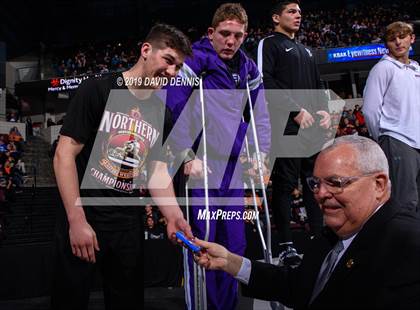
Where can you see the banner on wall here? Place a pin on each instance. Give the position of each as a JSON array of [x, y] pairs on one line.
[[66, 84], [357, 53]]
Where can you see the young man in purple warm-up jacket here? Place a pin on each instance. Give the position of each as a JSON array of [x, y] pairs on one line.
[[225, 71]]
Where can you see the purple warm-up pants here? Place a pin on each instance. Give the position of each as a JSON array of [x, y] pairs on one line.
[[222, 289]]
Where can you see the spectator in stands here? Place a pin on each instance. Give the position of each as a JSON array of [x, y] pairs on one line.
[[13, 151], [3, 144], [149, 212], [350, 116], [359, 115], [29, 127], [8, 165], [298, 208], [361, 129], [345, 113], [153, 231], [13, 117], [13, 173], [346, 127], [16, 138], [391, 110], [20, 165]]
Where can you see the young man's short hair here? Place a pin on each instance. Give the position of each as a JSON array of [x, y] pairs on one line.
[[397, 29], [162, 36], [279, 7], [230, 11]]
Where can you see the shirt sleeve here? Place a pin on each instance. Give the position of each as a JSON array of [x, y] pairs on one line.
[[268, 56], [373, 98], [245, 271], [321, 95], [83, 115], [266, 61]]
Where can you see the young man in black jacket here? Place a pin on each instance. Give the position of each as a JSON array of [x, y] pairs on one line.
[[289, 68]]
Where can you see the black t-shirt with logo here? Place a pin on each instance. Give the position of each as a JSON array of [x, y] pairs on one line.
[[121, 135], [233, 65]]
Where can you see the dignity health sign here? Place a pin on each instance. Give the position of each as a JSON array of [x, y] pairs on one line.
[[356, 53]]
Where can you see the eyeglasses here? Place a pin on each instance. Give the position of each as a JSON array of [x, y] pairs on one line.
[[335, 185]]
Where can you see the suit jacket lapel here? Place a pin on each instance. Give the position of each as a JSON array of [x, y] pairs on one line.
[[313, 259]]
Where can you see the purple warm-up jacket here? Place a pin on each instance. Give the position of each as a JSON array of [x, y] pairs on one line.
[[224, 102]]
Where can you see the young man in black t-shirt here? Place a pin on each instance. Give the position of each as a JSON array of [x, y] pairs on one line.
[[114, 129]]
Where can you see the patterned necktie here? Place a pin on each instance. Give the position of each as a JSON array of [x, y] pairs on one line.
[[326, 269]]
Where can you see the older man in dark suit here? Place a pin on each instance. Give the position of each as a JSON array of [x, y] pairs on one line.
[[369, 254]]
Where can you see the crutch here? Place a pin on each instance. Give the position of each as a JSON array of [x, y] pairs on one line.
[[200, 287], [254, 199], [201, 303], [267, 249], [198, 272], [205, 166], [186, 255]]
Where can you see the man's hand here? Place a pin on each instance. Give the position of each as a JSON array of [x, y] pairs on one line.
[[304, 119], [252, 170], [195, 169], [213, 256], [178, 224], [166, 201], [325, 121], [216, 257], [83, 241], [250, 166]]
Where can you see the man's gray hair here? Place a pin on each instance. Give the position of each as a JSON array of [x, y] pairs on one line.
[[370, 157]]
